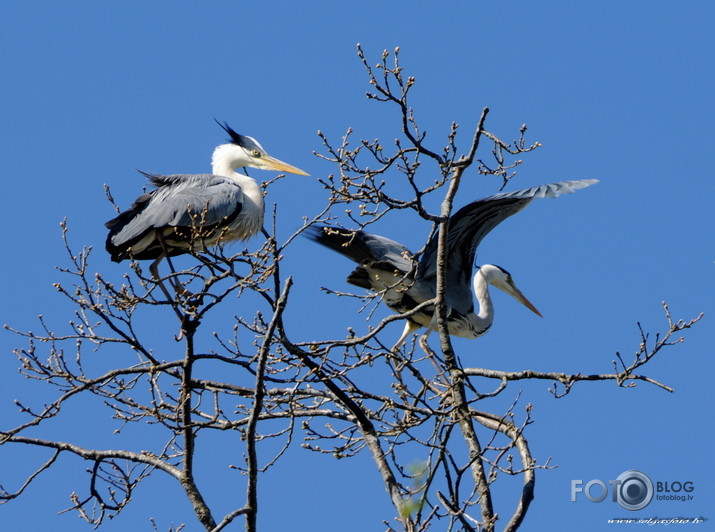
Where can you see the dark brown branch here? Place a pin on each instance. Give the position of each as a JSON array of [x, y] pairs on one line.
[[5, 496], [187, 479], [259, 394], [623, 378], [329, 392], [456, 384]]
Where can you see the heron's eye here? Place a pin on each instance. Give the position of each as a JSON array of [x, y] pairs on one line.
[[256, 153]]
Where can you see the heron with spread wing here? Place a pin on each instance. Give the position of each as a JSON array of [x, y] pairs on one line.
[[186, 213], [405, 282]]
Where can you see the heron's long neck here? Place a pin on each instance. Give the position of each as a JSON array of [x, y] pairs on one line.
[[248, 185], [481, 292]]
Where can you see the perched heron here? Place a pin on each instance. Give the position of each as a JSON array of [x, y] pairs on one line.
[[186, 213], [389, 267]]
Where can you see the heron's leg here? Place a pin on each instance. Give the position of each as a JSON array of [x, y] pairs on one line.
[[154, 269], [186, 319], [432, 327], [428, 351], [178, 289], [423, 340], [410, 327], [439, 376]]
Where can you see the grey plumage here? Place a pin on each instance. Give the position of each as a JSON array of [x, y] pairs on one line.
[[189, 212], [386, 265], [469, 225], [183, 208]]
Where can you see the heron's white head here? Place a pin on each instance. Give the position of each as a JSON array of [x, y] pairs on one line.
[[501, 279], [243, 151]]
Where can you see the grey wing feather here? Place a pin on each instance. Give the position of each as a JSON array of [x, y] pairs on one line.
[[366, 249], [385, 250], [470, 224], [177, 202], [360, 246]]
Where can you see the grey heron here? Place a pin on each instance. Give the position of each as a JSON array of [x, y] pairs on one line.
[[186, 213], [389, 267]]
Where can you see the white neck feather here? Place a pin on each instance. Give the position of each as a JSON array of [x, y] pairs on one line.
[[226, 159], [225, 163], [485, 316]]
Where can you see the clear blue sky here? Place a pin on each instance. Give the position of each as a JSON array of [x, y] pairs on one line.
[[618, 91]]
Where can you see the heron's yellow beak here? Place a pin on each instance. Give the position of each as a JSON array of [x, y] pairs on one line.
[[274, 164], [516, 294]]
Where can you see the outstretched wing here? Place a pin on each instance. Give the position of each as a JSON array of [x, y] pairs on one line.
[[365, 249], [470, 224], [182, 201]]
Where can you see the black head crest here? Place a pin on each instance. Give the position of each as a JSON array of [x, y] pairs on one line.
[[236, 138]]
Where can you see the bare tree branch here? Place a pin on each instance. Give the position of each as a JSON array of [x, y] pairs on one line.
[[266, 380]]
